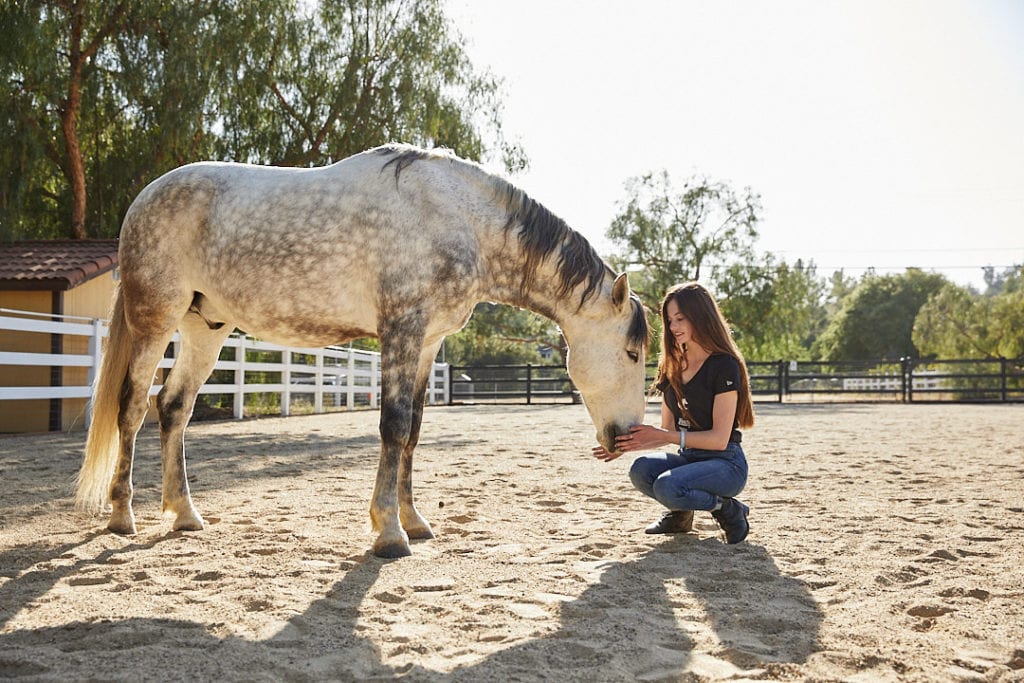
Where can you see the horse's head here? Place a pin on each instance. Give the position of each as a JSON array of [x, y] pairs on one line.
[[607, 345]]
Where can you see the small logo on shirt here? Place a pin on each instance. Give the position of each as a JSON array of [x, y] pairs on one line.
[[728, 382]]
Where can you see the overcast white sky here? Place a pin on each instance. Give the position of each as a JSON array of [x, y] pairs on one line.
[[881, 133]]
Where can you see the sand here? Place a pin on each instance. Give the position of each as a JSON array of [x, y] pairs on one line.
[[886, 545]]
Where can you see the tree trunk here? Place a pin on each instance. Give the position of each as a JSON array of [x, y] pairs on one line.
[[74, 166]]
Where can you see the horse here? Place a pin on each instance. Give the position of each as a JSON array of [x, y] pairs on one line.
[[398, 243]]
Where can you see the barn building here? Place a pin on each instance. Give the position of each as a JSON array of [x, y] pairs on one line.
[[72, 278]]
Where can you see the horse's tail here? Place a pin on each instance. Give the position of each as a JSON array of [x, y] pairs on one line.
[[102, 444]]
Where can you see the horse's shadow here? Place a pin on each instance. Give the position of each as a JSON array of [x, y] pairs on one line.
[[742, 614]]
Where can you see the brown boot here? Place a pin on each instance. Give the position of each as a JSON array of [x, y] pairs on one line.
[[672, 522]]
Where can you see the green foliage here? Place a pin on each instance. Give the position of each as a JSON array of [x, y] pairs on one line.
[[707, 231], [877, 318], [274, 82], [957, 322], [502, 334], [776, 310], [1009, 281], [669, 235]]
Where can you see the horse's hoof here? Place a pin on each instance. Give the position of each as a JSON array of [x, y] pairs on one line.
[[122, 527], [420, 533], [392, 551], [190, 521]]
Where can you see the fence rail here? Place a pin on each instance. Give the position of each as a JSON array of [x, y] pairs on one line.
[[906, 380], [343, 378], [325, 377]]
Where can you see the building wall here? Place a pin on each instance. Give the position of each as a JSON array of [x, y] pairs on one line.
[[25, 416], [91, 299]]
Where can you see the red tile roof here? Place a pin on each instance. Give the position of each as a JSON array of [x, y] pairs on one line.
[[54, 265]]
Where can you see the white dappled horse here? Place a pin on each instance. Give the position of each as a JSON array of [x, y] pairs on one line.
[[397, 243]]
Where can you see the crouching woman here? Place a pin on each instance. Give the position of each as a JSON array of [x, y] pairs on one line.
[[706, 401]]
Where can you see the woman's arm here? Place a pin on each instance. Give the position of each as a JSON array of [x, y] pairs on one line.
[[646, 437], [652, 437]]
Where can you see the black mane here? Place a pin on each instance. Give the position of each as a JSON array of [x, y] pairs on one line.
[[540, 234]]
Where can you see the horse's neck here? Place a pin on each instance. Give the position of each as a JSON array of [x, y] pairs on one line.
[[541, 295]]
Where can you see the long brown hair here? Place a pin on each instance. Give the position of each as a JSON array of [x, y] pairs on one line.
[[711, 331]]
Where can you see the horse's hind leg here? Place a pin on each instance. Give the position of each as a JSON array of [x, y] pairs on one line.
[[200, 346], [146, 354], [412, 521]]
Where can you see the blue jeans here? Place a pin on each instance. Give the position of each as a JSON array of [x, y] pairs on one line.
[[692, 479]]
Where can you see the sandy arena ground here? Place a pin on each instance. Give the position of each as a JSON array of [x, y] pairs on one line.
[[886, 545]]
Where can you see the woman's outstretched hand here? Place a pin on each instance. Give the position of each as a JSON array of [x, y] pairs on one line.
[[640, 438]]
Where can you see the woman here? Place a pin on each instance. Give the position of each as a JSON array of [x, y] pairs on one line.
[[701, 364]]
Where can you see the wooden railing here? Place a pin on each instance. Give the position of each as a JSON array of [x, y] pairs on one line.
[[337, 377]]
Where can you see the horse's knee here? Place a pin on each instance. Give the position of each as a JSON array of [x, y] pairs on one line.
[[396, 424], [171, 410]]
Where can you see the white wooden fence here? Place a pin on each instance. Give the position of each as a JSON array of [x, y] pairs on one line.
[[344, 378]]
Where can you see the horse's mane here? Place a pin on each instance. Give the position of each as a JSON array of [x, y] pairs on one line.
[[540, 233]]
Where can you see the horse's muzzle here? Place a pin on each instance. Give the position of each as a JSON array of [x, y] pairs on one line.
[[607, 439]]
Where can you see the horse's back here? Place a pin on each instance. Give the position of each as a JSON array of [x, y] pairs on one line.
[[277, 250]]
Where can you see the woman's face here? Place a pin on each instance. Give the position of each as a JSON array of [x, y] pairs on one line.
[[678, 324]]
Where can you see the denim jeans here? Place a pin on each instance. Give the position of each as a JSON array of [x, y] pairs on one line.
[[692, 479]]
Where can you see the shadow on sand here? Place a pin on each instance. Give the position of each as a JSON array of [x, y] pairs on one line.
[[654, 634]]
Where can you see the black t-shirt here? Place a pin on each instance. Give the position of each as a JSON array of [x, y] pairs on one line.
[[719, 374]]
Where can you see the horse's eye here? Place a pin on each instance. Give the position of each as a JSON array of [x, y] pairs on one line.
[[633, 356]]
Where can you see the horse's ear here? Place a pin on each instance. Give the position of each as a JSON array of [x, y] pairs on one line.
[[620, 290]]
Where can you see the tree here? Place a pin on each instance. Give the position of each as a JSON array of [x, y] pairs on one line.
[[105, 95], [776, 310], [957, 322], [1010, 280], [503, 334], [62, 38], [677, 235], [876, 319]]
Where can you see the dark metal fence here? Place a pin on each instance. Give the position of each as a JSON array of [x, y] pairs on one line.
[[510, 383], [907, 380]]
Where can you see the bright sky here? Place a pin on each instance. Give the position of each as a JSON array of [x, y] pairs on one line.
[[883, 133]]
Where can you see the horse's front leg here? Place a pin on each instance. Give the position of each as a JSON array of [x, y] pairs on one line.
[[412, 521], [398, 383], [395, 422]]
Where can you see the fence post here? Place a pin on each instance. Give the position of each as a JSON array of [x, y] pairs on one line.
[[786, 367], [286, 379], [529, 381], [239, 407], [907, 379], [431, 384], [375, 382], [96, 351], [779, 373], [451, 385], [1002, 383], [318, 383]]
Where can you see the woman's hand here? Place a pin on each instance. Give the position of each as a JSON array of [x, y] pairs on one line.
[[640, 438], [602, 453], [643, 438]]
